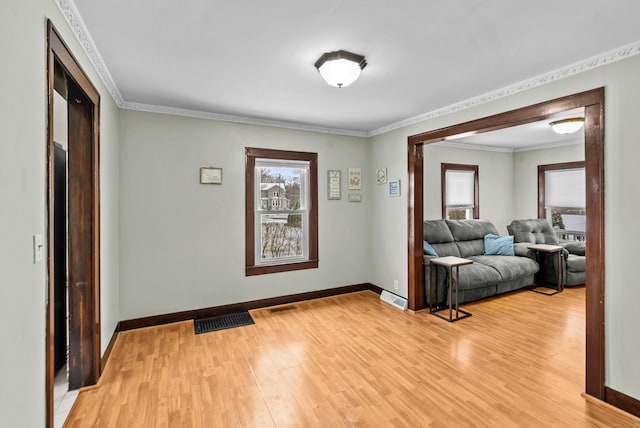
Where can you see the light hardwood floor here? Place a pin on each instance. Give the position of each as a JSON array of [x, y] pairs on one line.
[[352, 360]]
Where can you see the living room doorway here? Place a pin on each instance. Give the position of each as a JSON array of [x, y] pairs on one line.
[[73, 254], [593, 103]]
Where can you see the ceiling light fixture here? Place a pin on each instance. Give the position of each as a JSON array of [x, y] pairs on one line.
[[340, 68], [567, 126]]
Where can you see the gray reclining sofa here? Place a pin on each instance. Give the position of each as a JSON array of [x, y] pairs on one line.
[[488, 275], [539, 231]]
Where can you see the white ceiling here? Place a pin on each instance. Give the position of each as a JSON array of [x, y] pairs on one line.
[[530, 136], [254, 58]]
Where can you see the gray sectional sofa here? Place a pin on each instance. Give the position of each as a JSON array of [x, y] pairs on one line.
[[488, 275], [539, 231]]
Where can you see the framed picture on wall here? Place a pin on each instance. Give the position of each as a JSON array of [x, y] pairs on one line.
[[355, 178], [334, 178], [394, 188], [210, 175], [381, 175]]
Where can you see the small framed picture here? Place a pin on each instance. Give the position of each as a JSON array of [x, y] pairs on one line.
[[394, 188], [334, 183], [355, 197], [355, 178], [381, 175], [210, 175]]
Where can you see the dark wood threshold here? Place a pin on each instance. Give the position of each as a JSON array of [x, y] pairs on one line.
[[622, 401], [107, 352], [240, 307]]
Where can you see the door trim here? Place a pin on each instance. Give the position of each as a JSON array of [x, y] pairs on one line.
[[593, 103], [58, 52]]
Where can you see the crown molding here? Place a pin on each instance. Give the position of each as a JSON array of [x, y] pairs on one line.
[[73, 18], [75, 21], [240, 119], [609, 57]]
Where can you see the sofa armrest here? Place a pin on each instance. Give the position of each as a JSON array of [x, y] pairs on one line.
[[575, 247], [522, 249]]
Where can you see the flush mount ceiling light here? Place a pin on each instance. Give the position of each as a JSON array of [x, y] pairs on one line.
[[340, 68], [567, 126]]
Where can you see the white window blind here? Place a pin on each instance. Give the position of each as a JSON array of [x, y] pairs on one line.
[[565, 188], [460, 189]]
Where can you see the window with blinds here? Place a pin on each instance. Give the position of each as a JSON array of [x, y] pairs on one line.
[[459, 191], [562, 198], [565, 188]]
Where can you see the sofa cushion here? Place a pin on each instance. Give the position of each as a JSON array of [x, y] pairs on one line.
[[467, 230], [576, 263], [575, 247], [495, 245], [436, 232], [535, 230], [477, 275], [508, 267], [446, 249], [474, 247]]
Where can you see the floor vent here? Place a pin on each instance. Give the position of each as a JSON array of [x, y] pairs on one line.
[[393, 300], [222, 322]]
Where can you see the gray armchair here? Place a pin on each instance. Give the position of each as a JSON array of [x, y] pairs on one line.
[[539, 231]]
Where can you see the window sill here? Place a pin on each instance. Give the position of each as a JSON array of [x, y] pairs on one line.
[[285, 267]]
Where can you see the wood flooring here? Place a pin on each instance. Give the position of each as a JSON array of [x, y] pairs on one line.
[[354, 361]]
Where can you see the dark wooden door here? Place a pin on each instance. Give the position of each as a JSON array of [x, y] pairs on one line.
[[60, 255], [82, 364]]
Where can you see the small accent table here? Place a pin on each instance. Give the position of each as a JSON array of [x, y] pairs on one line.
[[557, 249], [449, 263]]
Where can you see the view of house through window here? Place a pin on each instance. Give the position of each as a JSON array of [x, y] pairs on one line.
[[282, 209], [459, 191]]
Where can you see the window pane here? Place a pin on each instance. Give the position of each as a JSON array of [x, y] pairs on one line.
[[460, 188], [281, 236], [459, 214], [281, 186]]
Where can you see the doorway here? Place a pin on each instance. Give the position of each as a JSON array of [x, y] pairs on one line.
[[73, 225], [593, 103]]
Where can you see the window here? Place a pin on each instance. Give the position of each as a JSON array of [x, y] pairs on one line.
[[561, 197], [281, 215], [460, 200]]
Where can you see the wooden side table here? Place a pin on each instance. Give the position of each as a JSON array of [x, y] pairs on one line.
[[449, 263], [553, 249]]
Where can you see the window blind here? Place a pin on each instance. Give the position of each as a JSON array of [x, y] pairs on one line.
[[565, 188], [460, 189]]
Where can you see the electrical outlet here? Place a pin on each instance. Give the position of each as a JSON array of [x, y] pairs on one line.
[[395, 284]]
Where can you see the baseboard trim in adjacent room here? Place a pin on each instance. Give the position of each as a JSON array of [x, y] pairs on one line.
[[154, 320], [622, 401]]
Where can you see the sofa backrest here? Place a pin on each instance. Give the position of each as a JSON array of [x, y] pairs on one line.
[[535, 230], [437, 233], [469, 235]]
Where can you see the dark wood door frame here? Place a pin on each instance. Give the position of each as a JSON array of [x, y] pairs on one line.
[[83, 101], [593, 103]]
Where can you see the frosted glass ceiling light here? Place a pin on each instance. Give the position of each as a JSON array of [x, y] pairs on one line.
[[567, 126], [340, 68]]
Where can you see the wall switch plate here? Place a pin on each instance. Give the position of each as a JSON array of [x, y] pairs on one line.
[[38, 248], [395, 284]]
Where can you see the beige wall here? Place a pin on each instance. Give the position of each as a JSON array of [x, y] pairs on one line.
[[525, 175], [622, 149], [182, 243], [23, 211], [495, 173]]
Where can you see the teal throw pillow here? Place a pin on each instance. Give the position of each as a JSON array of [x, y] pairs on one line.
[[428, 249], [495, 245]]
